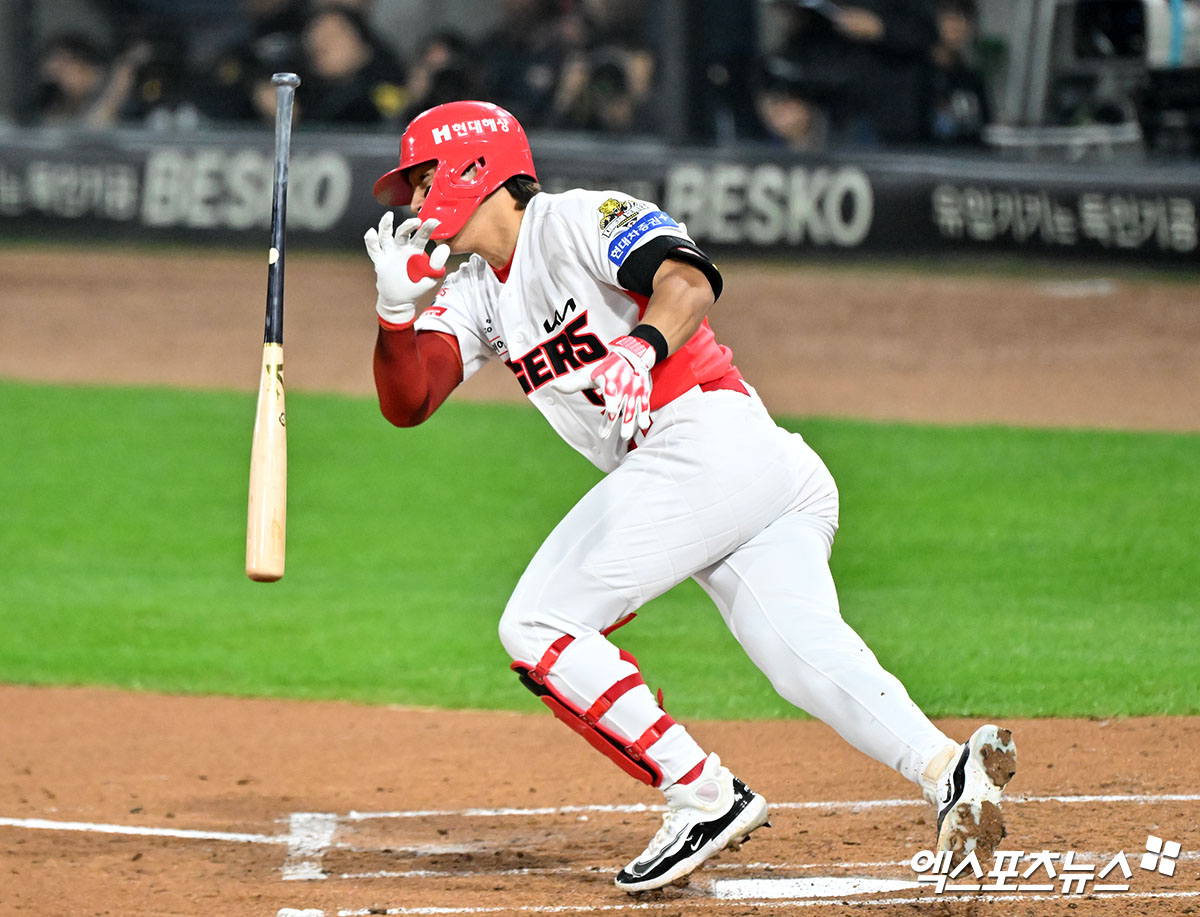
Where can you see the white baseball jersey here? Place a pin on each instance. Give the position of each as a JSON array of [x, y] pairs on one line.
[[566, 295], [715, 490]]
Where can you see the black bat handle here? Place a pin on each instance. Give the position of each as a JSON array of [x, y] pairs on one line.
[[285, 94]]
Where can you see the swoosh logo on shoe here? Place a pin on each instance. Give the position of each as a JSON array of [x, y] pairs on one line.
[[701, 834], [640, 869], [955, 786]]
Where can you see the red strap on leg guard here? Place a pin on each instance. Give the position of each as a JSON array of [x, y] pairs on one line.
[[629, 757], [651, 735], [538, 673], [621, 622], [605, 742], [611, 696]]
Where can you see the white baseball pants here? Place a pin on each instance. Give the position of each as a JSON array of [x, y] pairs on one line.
[[718, 492]]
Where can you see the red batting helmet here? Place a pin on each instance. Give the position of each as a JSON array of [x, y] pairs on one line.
[[457, 136]]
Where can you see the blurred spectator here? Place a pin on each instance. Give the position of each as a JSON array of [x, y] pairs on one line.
[[958, 108], [620, 29], [888, 44], [350, 76], [792, 104], [880, 49], [72, 73], [597, 93], [606, 80], [155, 80], [444, 72], [808, 60], [260, 91], [267, 41], [77, 84], [203, 25], [722, 37], [522, 59]]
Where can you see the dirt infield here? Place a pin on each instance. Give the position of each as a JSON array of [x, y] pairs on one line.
[[1077, 350], [249, 807], [134, 804]]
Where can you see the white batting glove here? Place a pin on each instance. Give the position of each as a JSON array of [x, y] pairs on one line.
[[623, 380], [403, 271]]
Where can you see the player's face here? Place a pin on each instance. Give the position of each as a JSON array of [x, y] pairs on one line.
[[420, 177]]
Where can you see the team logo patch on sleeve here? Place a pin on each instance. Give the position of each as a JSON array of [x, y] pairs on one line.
[[622, 245], [615, 214]]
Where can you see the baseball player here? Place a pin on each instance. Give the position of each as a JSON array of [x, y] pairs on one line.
[[597, 302]]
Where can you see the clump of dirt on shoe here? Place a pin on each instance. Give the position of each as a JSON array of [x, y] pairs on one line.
[[1000, 764]]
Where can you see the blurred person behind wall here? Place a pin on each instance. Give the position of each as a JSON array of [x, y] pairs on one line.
[[522, 59], [889, 43], [623, 32], [607, 80], [150, 82], [78, 84], [199, 27], [265, 37], [804, 64], [957, 103], [881, 48], [445, 70], [793, 105], [722, 38], [350, 75], [602, 98], [72, 72]]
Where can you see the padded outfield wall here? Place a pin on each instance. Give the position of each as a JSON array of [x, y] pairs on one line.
[[215, 188]]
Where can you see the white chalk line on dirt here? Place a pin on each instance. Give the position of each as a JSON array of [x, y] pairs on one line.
[[605, 869], [311, 838], [1079, 289], [853, 805], [310, 835], [1081, 856], [235, 837], [312, 832], [714, 903]]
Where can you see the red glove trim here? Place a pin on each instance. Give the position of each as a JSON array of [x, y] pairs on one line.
[[419, 267], [638, 346], [392, 326]]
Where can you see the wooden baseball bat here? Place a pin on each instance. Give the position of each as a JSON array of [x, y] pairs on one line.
[[266, 518]]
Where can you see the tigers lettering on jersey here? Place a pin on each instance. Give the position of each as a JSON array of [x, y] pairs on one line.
[[571, 349]]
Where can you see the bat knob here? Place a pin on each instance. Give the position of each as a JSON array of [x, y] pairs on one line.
[[286, 79]]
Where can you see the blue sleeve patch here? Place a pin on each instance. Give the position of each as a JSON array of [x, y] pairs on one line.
[[622, 245]]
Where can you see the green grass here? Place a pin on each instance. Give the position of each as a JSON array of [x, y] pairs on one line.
[[1064, 561]]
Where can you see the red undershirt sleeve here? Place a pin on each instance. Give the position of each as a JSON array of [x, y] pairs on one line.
[[414, 372]]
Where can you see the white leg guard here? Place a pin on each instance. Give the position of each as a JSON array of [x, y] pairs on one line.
[[597, 690]]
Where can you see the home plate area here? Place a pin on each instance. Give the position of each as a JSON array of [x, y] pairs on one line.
[[138, 805], [817, 855]]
